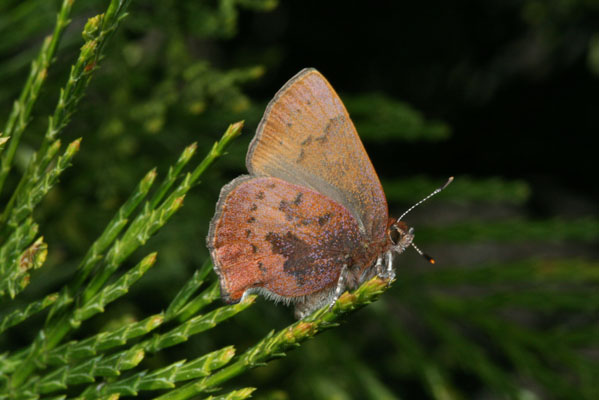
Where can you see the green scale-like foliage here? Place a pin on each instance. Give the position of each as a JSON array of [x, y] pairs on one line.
[[105, 304]]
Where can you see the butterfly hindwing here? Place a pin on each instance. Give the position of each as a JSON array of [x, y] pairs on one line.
[[280, 237]]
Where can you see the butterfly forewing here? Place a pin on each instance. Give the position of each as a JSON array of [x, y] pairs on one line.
[[306, 137]]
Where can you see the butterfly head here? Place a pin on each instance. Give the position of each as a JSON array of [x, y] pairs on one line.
[[400, 236]]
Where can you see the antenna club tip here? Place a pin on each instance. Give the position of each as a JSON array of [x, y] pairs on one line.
[[429, 259], [449, 180]]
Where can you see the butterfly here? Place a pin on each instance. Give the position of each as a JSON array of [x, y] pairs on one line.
[[311, 218]]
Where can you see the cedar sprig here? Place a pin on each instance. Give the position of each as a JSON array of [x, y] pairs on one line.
[[19, 239], [20, 314], [31, 259], [89, 306], [22, 107], [239, 394], [275, 344], [96, 32], [163, 378], [151, 218]]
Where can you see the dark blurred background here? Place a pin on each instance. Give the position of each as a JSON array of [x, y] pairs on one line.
[[516, 81], [500, 94]]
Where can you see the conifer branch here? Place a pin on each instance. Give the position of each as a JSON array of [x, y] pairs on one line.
[[111, 292], [15, 244], [19, 315], [151, 219], [173, 174], [181, 300], [87, 371], [32, 258], [196, 325], [164, 378], [103, 341], [96, 32], [274, 344], [96, 250], [35, 190], [239, 394], [21, 112]]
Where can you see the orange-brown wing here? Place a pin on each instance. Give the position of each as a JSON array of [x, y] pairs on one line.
[[285, 238], [306, 137]]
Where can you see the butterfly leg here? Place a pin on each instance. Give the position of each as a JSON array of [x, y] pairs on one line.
[[325, 297], [390, 273], [379, 267], [384, 266], [341, 284], [246, 294]]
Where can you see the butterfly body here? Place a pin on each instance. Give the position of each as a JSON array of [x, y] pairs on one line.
[[311, 218]]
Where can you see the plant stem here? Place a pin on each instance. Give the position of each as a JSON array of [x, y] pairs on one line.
[[274, 344], [96, 33], [19, 116]]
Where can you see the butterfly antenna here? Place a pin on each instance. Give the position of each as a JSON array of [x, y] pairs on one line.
[[439, 189], [428, 258]]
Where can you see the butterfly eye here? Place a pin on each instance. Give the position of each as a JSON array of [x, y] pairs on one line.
[[395, 234]]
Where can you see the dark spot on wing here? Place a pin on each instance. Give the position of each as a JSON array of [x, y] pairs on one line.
[[285, 208], [248, 233], [291, 209], [323, 219], [295, 251], [254, 248], [322, 139], [307, 141], [260, 196], [254, 207], [310, 263], [261, 267], [251, 220], [334, 125]]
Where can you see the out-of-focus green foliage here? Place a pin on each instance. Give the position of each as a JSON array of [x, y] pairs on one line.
[[381, 118], [508, 311]]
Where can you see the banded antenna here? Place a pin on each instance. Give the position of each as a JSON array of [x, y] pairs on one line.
[[436, 191]]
